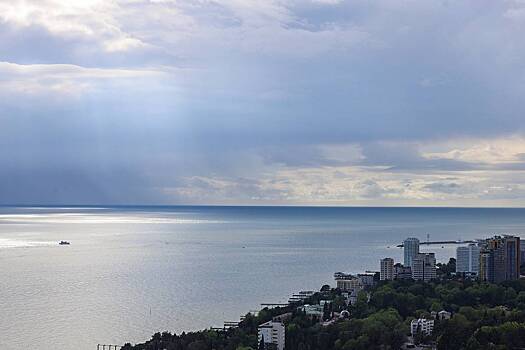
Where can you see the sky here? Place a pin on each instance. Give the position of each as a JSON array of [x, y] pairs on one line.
[[274, 102]]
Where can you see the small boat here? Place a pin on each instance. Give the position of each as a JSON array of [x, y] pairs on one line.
[[64, 243]]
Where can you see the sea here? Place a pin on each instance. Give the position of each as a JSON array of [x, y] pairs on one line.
[[132, 271]]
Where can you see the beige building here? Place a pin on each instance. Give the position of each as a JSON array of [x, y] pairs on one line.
[[386, 272], [347, 282], [424, 267]]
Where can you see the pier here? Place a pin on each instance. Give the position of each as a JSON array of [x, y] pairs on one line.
[[294, 299], [441, 242]]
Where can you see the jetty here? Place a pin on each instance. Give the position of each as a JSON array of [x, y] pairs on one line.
[[441, 242]]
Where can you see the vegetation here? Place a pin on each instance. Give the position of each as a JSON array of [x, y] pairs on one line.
[[484, 316]]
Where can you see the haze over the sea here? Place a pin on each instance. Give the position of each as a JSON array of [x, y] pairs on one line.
[[132, 271], [317, 102]]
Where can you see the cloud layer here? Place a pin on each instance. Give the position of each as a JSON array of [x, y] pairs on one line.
[[273, 102]]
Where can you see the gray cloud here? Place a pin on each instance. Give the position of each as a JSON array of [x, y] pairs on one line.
[[444, 187], [170, 95]]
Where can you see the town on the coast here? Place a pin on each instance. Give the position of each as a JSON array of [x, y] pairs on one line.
[[494, 260], [414, 304]]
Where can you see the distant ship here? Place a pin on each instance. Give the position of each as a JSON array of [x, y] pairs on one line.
[[64, 243]]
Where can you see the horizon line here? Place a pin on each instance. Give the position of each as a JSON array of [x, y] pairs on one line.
[[260, 206]]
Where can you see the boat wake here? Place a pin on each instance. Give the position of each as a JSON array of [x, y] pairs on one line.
[[18, 243]]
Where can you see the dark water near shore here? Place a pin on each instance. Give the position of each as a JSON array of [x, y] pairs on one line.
[[132, 271]]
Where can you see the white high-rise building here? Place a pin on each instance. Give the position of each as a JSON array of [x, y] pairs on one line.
[[467, 259], [411, 249], [421, 325], [387, 269], [424, 267], [272, 332]]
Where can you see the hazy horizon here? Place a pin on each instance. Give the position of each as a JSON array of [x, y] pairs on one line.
[[109, 205]]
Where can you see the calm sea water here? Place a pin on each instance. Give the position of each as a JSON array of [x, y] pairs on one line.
[[132, 271]]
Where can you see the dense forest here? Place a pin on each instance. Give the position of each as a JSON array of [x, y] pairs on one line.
[[484, 316]]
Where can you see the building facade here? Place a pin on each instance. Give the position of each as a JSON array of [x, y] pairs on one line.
[[402, 272], [444, 315], [347, 282], [272, 333], [410, 250], [366, 279], [512, 257], [486, 265], [500, 259], [386, 271], [522, 251], [467, 259], [424, 267], [422, 325], [313, 310], [498, 252]]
